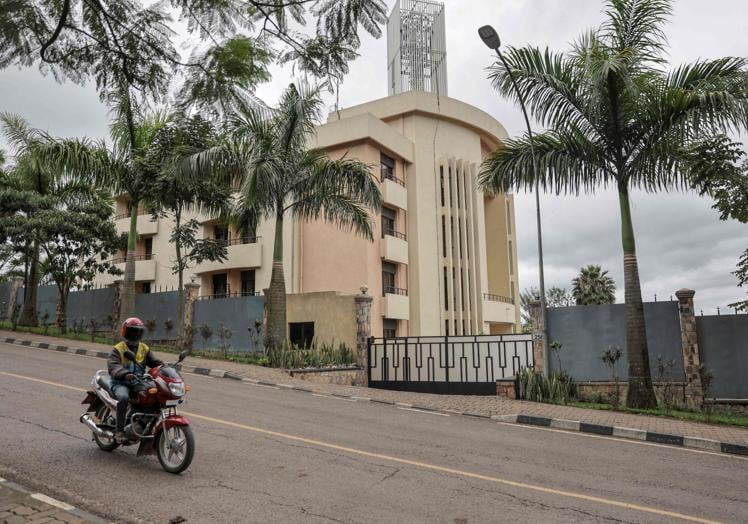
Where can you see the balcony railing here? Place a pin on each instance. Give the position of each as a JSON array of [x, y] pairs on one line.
[[497, 298], [390, 290], [393, 233], [230, 295], [235, 241], [122, 260], [127, 215], [388, 174]]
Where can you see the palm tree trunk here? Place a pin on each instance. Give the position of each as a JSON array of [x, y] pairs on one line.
[[277, 293], [62, 302], [127, 306], [181, 336], [641, 392], [28, 313]]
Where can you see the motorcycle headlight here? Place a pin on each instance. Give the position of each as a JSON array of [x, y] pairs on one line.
[[177, 389]]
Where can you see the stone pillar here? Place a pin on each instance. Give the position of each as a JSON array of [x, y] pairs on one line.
[[538, 349], [191, 292], [689, 341], [118, 286], [16, 283], [363, 332]]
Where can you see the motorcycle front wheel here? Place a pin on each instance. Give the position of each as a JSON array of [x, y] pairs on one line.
[[105, 416], [175, 449]]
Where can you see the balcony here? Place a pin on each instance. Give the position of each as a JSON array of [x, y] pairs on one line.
[[394, 247], [242, 253], [146, 226], [498, 309], [395, 303], [145, 267], [394, 192]]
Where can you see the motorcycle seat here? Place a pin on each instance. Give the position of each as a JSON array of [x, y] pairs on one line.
[[105, 381]]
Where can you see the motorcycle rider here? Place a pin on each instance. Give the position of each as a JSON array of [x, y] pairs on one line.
[[123, 370]]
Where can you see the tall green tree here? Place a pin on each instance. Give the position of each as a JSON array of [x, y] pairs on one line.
[[122, 168], [720, 170], [279, 177], [616, 117], [176, 192], [593, 286]]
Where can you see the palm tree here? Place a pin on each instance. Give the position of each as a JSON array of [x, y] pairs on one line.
[[279, 177], [593, 286], [615, 116], [31, 174], [121, 168]]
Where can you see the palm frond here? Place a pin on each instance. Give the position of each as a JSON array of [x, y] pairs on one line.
[[634, 28]]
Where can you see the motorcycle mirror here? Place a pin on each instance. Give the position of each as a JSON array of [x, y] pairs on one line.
[[129, 355], [183, 355]]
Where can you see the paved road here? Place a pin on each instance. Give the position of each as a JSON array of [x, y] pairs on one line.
[[271, 455]]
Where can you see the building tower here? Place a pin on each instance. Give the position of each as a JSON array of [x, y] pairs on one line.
[[417, 48]]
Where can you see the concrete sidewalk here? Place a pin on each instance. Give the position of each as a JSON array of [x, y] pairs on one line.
[[661, 429], [20, 506]]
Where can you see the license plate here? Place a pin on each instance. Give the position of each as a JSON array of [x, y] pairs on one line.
[[172, 402]]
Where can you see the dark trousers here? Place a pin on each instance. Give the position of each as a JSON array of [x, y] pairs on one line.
[[122, 394]]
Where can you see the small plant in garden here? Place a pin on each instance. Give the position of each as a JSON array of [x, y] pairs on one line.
[[45, 321], [556, 348], [533, 385], [707, 377], [663, 370], [205, 333], [92, 325], [224, 338], [289, 356], [150, 325], [256, 337], [189, 336], [610, 357], [168, 325]]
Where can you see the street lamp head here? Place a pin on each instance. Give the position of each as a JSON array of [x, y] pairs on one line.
[[490, 37]]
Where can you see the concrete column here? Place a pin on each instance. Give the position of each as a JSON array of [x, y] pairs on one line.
[[118, 286], [16, 283], [363, 332], [689, 341], [538, 349], [191, 292]]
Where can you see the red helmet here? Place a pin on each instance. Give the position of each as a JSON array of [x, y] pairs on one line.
[[132, 330]]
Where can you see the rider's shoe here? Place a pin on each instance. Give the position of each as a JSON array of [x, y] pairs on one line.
[[120, 437]]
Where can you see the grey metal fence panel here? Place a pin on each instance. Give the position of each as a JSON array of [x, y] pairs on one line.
[[723, 348], [236, 313], [4, 298], [46, 303], [94, 304], [155, 309], [586, 331]]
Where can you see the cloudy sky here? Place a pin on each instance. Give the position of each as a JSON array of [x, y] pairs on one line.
[[680, 240]]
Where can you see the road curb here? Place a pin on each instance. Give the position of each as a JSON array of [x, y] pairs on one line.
[[579, 426]]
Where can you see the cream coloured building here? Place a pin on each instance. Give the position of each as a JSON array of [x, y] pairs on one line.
[[443, 260]]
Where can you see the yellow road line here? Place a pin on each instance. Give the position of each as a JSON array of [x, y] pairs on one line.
[[418, 464]]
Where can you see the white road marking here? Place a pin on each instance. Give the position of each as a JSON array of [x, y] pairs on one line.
[[52, 502]]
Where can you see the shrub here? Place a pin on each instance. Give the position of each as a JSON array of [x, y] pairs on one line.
[[559, 388], [224, 337], [205, 333], [289, 356], [610, 357], [663, 369]]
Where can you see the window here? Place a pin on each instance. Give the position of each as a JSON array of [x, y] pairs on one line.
[[464, 331], [456, 333], [452, 233], [508, 218], [148, 248], [462, 287], [248, 282], [441, 177], [146, 287], [220, 284], [454, 287], [459, 231], [388, 278], [446, 327], [221, 232], [388, 221], [390, 328], [444, 236], [459, 198], [511, 259], [451, 192], [446, 291], [387, 167], [301, 334]]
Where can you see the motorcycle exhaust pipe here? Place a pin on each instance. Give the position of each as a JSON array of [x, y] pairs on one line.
[[88, 422]]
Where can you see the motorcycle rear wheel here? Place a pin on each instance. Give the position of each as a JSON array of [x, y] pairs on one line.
[[176, 448], [105, 416]]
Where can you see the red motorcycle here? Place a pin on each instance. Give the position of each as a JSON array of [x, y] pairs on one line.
[[152, 419]]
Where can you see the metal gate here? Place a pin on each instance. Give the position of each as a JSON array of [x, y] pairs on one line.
[[468, 365]]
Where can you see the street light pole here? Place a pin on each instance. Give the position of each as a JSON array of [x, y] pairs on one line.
[[491, 39]]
